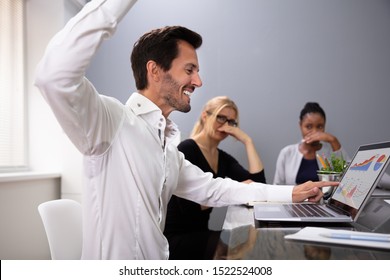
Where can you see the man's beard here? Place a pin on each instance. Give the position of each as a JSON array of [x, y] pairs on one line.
[[173, 88]]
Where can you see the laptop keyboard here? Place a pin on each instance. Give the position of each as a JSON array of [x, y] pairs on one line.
[[306, 210]]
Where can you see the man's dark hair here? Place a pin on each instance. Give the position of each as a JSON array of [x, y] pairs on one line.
[[312, 107], [161, 46]]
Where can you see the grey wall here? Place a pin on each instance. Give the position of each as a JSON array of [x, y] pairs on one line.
[[271, 57]]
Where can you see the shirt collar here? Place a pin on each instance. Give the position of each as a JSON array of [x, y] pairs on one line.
[[141, 105], [152, 114]]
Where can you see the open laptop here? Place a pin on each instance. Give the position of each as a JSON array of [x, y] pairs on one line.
[[347, 201]]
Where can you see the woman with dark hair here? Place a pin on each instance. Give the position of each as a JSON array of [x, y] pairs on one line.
[[298, 163]]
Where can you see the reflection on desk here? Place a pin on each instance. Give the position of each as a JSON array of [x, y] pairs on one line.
[[245, 238]]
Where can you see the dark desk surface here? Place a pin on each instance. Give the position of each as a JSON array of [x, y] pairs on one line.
[[244, 238]]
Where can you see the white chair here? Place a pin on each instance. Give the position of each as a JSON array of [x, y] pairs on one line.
[[62, 220]]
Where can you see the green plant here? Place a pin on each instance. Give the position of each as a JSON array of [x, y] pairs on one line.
[[336, 164]]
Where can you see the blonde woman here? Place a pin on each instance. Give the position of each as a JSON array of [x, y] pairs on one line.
[[187, 222]]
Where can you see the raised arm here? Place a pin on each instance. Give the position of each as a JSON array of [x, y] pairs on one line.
[[255, 164], [60, 74]]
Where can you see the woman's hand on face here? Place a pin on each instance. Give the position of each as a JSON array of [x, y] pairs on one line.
[[318, 136], [236, 132], [255, 164]]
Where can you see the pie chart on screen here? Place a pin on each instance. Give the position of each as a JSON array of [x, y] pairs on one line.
[[380, 161]]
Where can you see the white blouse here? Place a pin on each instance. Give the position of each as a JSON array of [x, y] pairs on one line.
[[289, 161]]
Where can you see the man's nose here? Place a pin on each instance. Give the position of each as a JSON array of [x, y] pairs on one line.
[[196, 80]]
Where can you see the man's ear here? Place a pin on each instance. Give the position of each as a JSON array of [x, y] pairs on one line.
[[153, 70]]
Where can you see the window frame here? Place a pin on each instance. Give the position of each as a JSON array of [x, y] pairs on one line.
[[23, 164]]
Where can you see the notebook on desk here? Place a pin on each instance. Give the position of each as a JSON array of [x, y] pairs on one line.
[[347, 201]]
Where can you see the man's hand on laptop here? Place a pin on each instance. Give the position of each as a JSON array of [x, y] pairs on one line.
[[310, 191]]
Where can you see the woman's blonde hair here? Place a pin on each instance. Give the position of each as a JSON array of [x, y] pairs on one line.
[[213, 107]]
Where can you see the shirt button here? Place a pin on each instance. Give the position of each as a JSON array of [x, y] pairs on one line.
[[160, 124]]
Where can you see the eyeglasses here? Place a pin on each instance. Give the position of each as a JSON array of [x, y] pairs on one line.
[[223, 119]]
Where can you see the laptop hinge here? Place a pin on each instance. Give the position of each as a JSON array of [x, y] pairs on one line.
[[338, 210]]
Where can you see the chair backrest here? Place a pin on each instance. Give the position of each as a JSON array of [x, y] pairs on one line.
[[62, 220]]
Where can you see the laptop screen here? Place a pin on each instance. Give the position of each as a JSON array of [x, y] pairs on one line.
[[361, 177]]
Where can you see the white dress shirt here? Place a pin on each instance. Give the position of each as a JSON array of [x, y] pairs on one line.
[[131, 165]]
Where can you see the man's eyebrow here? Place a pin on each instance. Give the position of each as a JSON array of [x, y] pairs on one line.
[[193, 66]]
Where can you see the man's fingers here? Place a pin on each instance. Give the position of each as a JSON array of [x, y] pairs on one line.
[[311, 190], [316, 194], [322, 184]]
